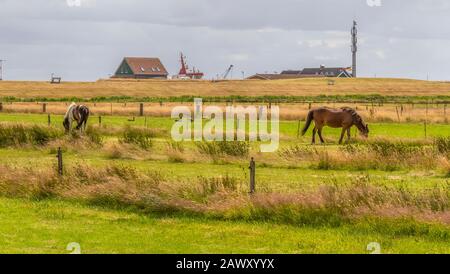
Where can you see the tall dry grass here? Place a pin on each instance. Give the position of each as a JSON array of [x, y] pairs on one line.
[[375, 154], [160, 88], [372, 113], [226, 197]]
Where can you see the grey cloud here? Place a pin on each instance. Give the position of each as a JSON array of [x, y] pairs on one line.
[[398, 39]]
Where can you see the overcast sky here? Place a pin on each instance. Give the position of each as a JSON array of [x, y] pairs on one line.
[[400, 38]]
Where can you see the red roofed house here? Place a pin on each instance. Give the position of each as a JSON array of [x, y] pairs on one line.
[[141, 68]]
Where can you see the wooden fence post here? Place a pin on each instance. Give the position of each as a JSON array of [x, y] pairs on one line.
[[60, 161], [100, 120], [141, 109], [298, 129], [49, 120], [252, 176], [44, 107], [425, 128]]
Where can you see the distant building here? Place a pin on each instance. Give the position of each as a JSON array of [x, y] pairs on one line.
[[281, 76], [141, 68], [327, 72], [321, 71], [291, 72]]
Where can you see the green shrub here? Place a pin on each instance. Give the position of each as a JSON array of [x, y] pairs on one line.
[[141, 137], [42, 135], [297, 152], [442, 145], [94, 135], [385, 148], [324, 162], [16, 135], [204, 188], [209, 148], [233, 148], [175, 146]]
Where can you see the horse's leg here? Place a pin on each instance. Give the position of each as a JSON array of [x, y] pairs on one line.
[[342, 135], [80, 125], [349, 135], [314, 135], [320, 135]]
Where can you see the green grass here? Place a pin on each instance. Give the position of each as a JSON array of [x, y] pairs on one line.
[[287, 128], [49, 226]]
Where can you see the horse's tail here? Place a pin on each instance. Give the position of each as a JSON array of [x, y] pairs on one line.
[[87, 112], [308, 122]]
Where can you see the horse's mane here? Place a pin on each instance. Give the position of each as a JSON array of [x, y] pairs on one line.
[[357, 119], [69, 109]]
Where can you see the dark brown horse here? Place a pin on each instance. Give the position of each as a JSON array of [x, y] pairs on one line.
[[343, 118]]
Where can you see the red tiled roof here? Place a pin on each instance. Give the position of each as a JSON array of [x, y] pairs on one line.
[[146, 66]]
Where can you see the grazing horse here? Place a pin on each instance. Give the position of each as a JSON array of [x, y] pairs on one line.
[[77, 113], [343, 118]]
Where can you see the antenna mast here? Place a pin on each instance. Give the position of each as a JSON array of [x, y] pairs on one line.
[[1, 69], [354, 47]]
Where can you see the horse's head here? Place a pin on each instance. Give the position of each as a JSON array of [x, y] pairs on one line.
[[66, 124], [364, 130]]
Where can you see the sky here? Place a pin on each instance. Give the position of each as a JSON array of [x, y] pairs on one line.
[[85, 40]]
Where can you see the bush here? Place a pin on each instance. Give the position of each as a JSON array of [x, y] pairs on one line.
[[16, 135], [325, 162], [209, 148], [175, 146], [442, 145], [204, 188], [233, 148], [297, 152], [94, 135], [385, 148], [137, 136]]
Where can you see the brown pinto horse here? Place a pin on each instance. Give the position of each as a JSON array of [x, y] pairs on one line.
[[78, 113], [343, 118]]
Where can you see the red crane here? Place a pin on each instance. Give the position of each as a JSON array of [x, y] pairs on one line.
[[186, 73]]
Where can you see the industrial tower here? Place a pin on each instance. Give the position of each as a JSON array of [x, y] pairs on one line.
[[1, 69], [354, 47]]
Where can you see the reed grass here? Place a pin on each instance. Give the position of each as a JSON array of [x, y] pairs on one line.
[[226, 197]]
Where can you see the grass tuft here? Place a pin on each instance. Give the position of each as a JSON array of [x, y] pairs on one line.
[[141, 137]]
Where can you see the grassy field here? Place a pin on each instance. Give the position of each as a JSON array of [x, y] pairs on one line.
[[386, 112], [180, 198], [49, 226], [126, 176], [155, 88]]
